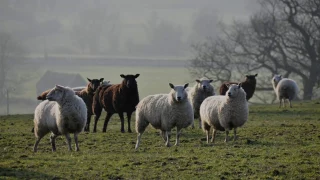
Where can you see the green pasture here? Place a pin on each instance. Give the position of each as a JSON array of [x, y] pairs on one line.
[[274, 144]]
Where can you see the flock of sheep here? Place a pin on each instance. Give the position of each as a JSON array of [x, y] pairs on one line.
[[64, 110]]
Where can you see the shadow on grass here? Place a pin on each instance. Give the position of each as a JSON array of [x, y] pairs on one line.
[[24, 174]]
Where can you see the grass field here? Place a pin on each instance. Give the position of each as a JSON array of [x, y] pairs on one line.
[[273, 144]]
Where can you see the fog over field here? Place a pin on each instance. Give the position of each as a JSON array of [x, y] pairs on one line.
[[55, 35]]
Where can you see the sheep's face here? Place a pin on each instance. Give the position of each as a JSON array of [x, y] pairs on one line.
[[251, 78], [204, 84], [276, 78], [233, 90], [179, 93], [56, 93], [130, 81], [94, 83]]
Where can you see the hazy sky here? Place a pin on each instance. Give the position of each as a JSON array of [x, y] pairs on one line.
[[117, 26]]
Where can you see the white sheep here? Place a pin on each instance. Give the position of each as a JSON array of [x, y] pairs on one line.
[[164, 112], [200, 91], [285, 89], [62, 113], [224, 113]]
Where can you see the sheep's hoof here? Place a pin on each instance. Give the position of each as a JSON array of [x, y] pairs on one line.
[[129, 131], [168, 144], [77, 149], [122, 131], [235, 138]]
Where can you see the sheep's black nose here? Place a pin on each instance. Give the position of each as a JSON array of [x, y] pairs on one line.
[[229, 94], [179, 98], [204, 87]]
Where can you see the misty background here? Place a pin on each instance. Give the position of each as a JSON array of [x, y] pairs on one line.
[[39, 33]]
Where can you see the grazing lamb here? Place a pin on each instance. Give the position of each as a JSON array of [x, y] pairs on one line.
[[164, 112], [62, 113], [285, 89], [249, 86], [200, 91], [117, 98], [224, 113]]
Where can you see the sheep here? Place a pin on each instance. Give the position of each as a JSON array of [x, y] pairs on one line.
[[164, 112], [200, 91], [224, 113], [285, 89], [62, 113], [117, 98], [86, 94], [249, 86]]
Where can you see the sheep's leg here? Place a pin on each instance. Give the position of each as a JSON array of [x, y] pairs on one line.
[[227, 136], [168, 134], [87, 127], [138, 140], [214, 133], [68, 141], [235, 137], [35, 147], [76, 141], [129, 120], [280, 103], [192, 125], [163, 134], [106, 120], [122, 121], [199, 122], [96, 118], [53, 142], [178, 136], [207, 128], [290, 103]]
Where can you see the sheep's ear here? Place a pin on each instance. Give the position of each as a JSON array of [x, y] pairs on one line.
[[239, 85], [227, 85], [89, 79], [210, 81], [198, 81], [123, 76], [59, 87], [137, 75], [186, 85], [280, 75], [101, 79], [256, 75], [171, 85]]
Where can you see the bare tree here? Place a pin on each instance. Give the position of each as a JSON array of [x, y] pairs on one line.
[[11, 54], [282, 38]]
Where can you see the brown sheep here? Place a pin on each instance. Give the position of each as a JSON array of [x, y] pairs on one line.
[[117, 98], [249, 86]]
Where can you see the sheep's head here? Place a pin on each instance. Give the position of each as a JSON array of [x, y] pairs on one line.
[[179, 93], [234, 90], [276, 79], [204, 84], [251, 78], [58, 93], [130, 80], [94, 83]]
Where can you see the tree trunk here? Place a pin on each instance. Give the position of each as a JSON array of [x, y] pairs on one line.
[[308, 85]]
